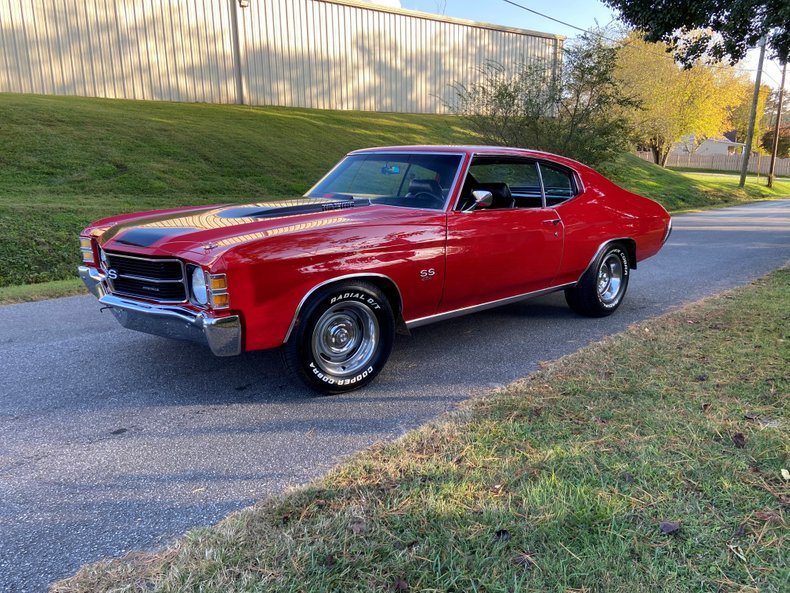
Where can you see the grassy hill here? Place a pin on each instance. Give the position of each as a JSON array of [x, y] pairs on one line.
[[684, 191], [65, 161]]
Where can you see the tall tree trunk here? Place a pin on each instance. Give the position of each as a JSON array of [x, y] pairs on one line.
[[656, 156]]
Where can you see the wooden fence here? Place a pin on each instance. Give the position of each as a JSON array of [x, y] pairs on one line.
[[723, 162]]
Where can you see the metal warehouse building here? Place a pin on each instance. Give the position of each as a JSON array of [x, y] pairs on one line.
[[326, 54]]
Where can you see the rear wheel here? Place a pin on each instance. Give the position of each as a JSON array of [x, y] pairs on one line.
[[342, 338], [602, 287]]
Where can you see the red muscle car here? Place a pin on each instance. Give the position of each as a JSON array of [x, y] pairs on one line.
[[390, 239]]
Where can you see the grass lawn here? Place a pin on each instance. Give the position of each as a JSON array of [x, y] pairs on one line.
[[23, 293], [66, 161], [680, 190], [653, 461]]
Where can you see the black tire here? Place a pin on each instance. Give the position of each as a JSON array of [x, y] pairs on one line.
[[602, 287], [342, 338]]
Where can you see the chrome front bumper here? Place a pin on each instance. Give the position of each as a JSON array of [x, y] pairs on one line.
[[221, 334]]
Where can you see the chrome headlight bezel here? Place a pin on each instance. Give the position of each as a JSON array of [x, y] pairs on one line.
[[104, 263], [198, 286]]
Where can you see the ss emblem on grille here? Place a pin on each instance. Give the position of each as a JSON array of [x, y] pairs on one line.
[[112, 274]]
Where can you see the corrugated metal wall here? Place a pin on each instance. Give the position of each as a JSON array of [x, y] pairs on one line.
[[326, 54]]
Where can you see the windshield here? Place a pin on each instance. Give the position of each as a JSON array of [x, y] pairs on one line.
[[415, 180]]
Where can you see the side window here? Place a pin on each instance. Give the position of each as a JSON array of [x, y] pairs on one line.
[[520, 176], [516, 175], [557, 183]]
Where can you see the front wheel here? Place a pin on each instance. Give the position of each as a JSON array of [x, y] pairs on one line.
[[602, 287], [342, 338]]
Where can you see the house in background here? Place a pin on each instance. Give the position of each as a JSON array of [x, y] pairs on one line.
[[723, 145]]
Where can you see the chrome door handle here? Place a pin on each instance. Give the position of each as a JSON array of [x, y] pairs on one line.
[[554, 221]]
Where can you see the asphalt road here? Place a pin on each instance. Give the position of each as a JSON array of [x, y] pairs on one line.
[[112, 441]]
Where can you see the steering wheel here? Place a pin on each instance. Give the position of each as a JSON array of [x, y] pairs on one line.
[[430, 197]]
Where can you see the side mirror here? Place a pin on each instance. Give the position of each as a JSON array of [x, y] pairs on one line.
[[483, 199]]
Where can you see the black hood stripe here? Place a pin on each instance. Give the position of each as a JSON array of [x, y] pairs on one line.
[[258, 212], [145, 237]]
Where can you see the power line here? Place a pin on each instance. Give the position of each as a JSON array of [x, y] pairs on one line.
[[551, 18], [602, 36]]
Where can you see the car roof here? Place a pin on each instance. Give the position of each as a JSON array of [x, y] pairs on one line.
[[470, 149]]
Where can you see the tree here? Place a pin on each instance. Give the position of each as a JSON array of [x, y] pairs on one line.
[[739, 116], [783, 151], [576, 112], [674, 102], [721, 29], [769, 110]]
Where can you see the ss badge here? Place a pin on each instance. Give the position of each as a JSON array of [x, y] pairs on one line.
[[427, 274]]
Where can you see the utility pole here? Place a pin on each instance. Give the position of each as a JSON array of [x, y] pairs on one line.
[[747, 150], [777, 127]]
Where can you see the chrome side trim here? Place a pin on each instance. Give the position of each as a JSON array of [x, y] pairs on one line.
[[668, 233], [331, 281], [482, 307], [221, 334]]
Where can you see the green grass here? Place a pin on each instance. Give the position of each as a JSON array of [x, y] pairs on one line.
[[66, 161], [44, 290], [559, 483], [678, 190]]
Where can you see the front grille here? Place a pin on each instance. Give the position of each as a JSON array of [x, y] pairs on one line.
[[159, 279], [160, 269]]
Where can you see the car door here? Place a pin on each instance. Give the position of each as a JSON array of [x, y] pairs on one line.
[[505, 250]]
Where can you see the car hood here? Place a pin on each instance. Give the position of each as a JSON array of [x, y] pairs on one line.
[[217, 228]]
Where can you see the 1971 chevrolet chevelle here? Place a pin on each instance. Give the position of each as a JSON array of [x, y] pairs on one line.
[[390, 239]]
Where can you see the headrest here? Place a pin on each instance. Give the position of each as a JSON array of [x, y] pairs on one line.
[[428, 186], [498, 190]]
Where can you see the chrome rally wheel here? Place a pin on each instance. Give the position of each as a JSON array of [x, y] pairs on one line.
[[602, 287], [345, 338], [610, 279]]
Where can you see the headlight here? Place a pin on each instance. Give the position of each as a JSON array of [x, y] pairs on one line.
[[199, 289]]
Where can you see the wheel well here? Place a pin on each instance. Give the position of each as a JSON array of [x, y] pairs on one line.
[[630, 248], [630, 251], [383, 283], [390, 290]]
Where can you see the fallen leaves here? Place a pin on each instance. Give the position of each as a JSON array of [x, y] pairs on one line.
[[737, 551], [771, 517], [739, 440], [669, 527], [525, 560], [358, 526]]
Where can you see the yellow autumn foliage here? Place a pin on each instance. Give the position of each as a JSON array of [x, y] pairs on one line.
[[675, 104]]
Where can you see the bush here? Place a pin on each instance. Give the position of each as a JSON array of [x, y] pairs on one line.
[[576, 111], [783, 150]]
